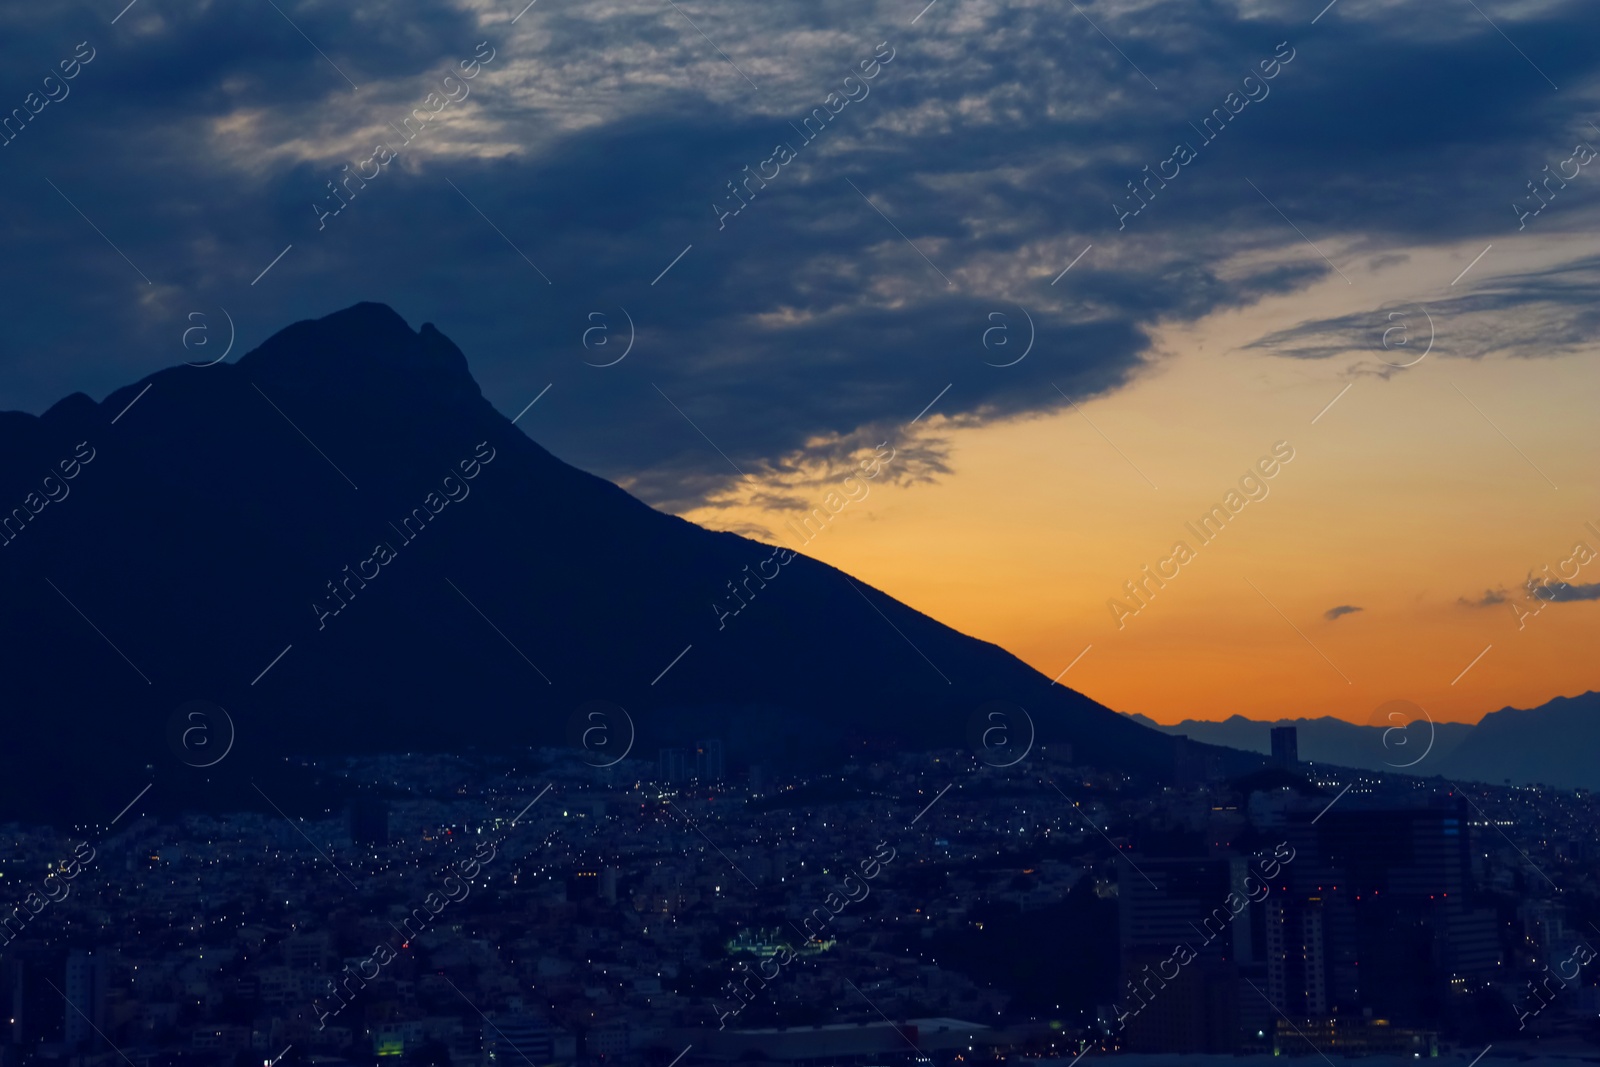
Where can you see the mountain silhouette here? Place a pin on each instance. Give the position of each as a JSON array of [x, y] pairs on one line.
[[1551, 744], [213, 533], [1388, 747]]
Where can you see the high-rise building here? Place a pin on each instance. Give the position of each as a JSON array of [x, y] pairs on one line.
[[33, 1011], [708, 760], [1297, 968], [1285, 747], [1191, 765], [1170, 1006], [1374, 914], [1196, 1012], [85, 989], [673, 765]]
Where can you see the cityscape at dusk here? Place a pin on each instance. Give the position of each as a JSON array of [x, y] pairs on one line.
[[675, 533]]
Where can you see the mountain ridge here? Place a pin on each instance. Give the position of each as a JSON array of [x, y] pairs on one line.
[[1544, 744], [224, 503]]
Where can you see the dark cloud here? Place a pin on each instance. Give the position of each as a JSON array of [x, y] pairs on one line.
[[1342, 609], [988, 154], [1548, 592], [1565, 592]]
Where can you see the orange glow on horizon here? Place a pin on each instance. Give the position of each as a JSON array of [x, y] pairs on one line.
[[1402, 501]]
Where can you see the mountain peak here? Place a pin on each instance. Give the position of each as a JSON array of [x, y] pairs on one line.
[[366, 346], [343, 514], [373, 312]]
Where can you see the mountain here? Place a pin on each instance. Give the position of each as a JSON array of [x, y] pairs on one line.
[[1551, 744], [1329, 740], [339, 541]]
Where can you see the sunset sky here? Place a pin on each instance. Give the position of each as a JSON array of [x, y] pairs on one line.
[[573, 199], [1401, 500]]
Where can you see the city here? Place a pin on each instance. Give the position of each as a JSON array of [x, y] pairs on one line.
[[909, 909]]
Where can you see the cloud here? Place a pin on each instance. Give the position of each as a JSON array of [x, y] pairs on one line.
[[1549, 592], [1565, 592], [1536, 314], [605, 139], [1343, 609]]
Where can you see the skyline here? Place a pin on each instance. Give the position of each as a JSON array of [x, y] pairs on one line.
[[811, 533]]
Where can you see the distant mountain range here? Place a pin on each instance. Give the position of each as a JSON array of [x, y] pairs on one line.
[[341, 542], [1557, 743]]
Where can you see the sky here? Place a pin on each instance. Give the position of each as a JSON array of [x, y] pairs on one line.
[[726, 251]]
